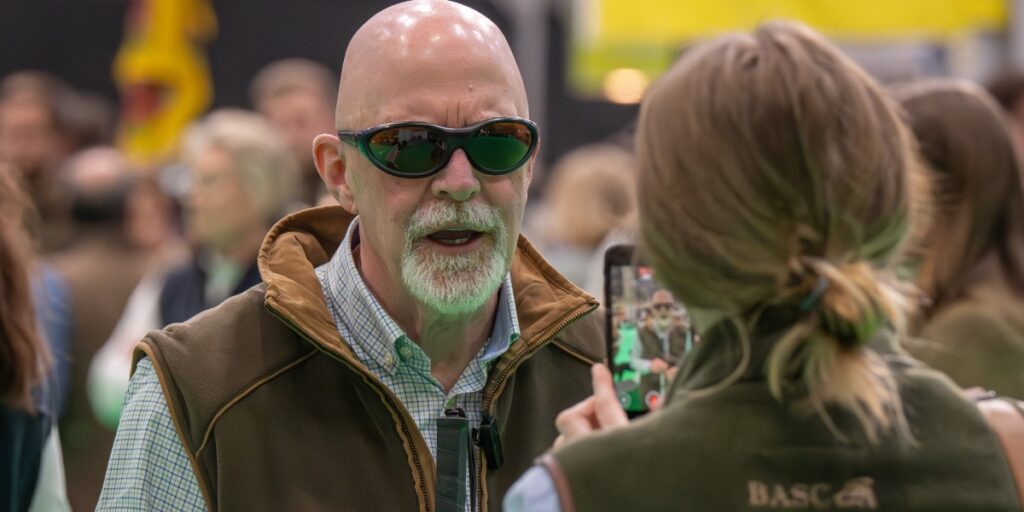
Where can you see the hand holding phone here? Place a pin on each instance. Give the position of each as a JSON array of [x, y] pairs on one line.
[[602, 411]]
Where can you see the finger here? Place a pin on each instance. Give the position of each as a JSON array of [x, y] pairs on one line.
[[577, 420], [655, 405], [607, 408], [559, 441], [581, 411]]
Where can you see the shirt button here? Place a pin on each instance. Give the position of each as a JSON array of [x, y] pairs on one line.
[[389, 359], [405, 351]]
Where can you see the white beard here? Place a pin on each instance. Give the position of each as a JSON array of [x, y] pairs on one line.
[[462, 283], [662, 325]]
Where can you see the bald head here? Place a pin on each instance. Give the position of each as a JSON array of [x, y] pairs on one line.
[[434, 48], [96, 170], [662, 297], [98, 182]]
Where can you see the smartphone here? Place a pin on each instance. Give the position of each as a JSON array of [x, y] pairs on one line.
[[648, 331]]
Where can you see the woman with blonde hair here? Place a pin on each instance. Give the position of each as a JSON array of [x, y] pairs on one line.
[[774, 194], [971, 263]]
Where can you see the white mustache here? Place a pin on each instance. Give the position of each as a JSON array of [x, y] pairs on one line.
[[442, 216]]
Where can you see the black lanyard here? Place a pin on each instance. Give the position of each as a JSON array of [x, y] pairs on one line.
[[454, 458]]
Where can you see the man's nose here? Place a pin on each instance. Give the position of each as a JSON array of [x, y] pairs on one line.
[[457, 181]]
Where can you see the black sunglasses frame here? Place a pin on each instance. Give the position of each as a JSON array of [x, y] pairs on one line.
[[456, 138]]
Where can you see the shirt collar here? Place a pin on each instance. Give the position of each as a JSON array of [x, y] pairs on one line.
[[377, 332], [506, 325]]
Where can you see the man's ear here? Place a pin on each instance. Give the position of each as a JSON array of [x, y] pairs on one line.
[[533, 161], [333, 170]]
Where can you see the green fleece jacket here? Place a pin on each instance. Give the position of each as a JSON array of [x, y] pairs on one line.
[[740, 449]]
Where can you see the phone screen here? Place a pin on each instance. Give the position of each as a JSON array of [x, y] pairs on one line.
[[648, 331]]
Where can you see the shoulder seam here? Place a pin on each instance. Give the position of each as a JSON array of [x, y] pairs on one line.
[[573, 352], [246, 392]]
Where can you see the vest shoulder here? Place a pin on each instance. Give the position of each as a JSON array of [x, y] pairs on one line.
[[220, 355], [974, 324], [584, 338], [239, 333], [227, 325], [976, 346]]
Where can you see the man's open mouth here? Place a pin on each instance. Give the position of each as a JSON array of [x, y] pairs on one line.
[[454, 237]]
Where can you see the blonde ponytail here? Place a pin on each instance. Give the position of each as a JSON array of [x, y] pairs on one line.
[[827, 348]]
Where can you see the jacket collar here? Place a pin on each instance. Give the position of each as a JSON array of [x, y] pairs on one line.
[[300, 242]]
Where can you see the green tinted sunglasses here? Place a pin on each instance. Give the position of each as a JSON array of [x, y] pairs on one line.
[[416, 150]]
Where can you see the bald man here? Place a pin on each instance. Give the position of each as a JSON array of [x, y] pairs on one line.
[[389, 328]]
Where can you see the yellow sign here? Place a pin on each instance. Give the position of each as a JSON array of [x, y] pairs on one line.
[[672, 21], [646, 35], [162, 73]]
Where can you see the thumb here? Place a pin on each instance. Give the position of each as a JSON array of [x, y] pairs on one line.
[[607, 408]]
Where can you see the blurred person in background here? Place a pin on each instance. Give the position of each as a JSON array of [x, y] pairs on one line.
[[42, 122], [100, 266], [971, 264], [31, 470], [588, 203], [298, 96], [799, 395], [35, 136], [241, 178], [153, 223]]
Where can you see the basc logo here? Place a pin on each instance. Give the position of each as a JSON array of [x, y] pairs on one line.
[[858, 493]]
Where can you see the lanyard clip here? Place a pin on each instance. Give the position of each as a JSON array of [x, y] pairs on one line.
[[488, 438]]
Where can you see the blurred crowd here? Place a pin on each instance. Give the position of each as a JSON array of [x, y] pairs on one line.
[[123, 249]]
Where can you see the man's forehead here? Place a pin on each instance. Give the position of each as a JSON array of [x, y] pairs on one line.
[[425, 34], [425, 46], [425, 19], [451, 104]]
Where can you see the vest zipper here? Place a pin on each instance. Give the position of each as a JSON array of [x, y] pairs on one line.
[[388, 395], [499, 387]]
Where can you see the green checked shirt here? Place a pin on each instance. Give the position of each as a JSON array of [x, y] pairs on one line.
[[148, 468]]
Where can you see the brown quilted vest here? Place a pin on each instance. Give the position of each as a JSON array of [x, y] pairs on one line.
[[276, 412]]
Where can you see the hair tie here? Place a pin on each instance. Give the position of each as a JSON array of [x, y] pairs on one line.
[[819, 290]]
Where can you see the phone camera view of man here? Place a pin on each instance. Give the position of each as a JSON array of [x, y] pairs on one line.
[[649, 332]]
